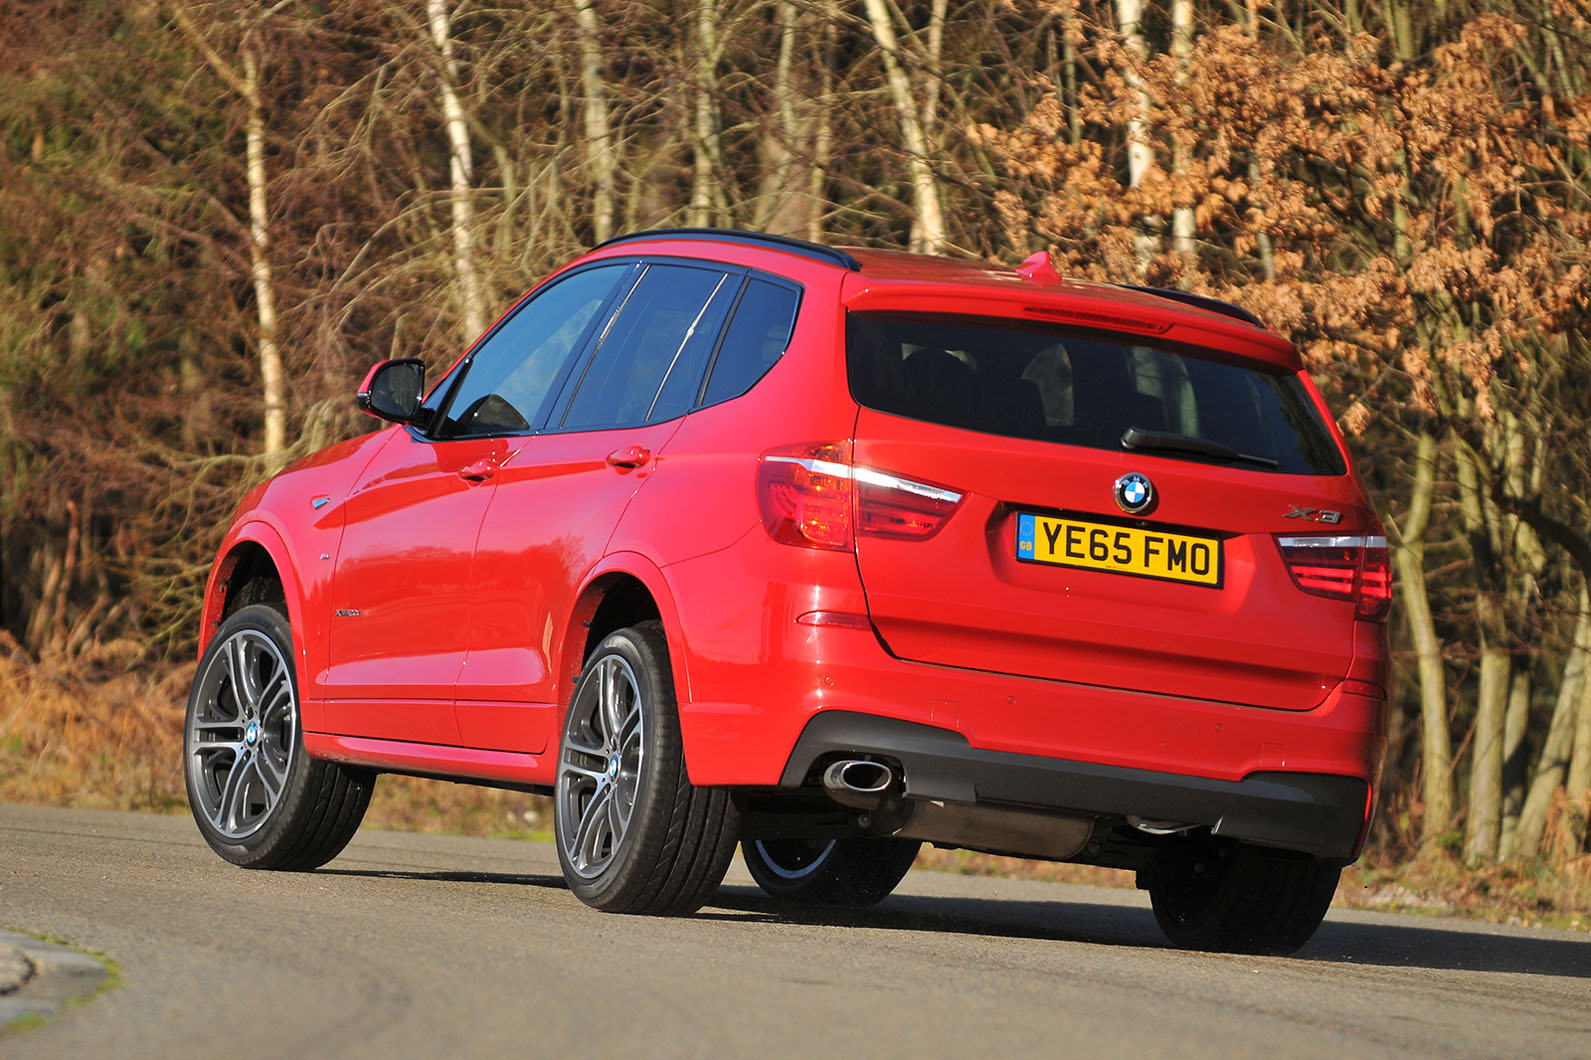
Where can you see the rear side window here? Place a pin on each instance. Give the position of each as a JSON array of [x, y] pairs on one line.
[[1023, 382], [658, 331], [756, 337]]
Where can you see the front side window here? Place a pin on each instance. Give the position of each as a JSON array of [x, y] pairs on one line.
[[1004, 378], [509, 380]]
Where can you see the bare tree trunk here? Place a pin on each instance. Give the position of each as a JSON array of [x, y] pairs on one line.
[[1140, 155], [1525, 560], [1182, 221], [1578, 782], [706, 195], [1074, 115], [600, 158], [1516, 769], [461, 171], [780, 209], [1553, 763], [1486, 744], [1262, 239], [1436, 741], [823, 139], [929, 232], [934, 77], [271, 376], [247, 87]]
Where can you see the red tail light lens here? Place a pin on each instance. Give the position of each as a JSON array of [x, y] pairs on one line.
[[804, 494], [1375, 581], [811, 495], [891, 506], [1342, 567]]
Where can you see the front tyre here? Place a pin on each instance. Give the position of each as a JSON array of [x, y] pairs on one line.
[[853, 871], [1240, 899], [258, 799], [634, 835]]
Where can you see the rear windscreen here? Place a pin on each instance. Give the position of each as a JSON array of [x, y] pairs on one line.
[[1024, 382]]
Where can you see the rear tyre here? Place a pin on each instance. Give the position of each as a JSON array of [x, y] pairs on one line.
[[1241, 899], [634, 835], [258, 799], [851, 872]]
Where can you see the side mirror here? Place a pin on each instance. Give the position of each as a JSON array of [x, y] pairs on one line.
[[392, 390]]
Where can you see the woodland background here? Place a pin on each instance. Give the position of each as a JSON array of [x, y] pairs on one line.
[[215, 215]]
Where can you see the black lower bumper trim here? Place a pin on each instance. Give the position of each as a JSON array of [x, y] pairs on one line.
[[1315, 813]]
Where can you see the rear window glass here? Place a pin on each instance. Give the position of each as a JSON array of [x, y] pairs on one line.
[[1076, 389]]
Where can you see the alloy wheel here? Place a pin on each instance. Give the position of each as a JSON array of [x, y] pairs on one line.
[[599, 769], [242, 734]]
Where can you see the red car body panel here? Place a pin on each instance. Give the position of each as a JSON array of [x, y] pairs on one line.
[[439, 594]]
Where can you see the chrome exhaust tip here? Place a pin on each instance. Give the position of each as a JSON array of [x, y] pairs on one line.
[[861, 784]]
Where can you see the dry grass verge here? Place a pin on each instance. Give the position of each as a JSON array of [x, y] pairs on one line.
[[98, 735]]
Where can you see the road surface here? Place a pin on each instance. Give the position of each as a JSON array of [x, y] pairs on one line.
[[423, 946]]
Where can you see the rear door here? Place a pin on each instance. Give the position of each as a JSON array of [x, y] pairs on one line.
[[559, 499], [1044, 570]]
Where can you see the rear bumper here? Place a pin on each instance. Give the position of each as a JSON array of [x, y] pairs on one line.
[[1319, 814]]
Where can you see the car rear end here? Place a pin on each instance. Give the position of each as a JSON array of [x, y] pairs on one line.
[[1114, 546]]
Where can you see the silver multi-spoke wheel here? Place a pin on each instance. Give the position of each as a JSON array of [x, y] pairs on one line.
[[599, 770], [634, 834], [260, 801], [242, 734]]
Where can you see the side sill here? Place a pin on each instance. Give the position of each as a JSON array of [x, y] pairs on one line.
[[504, 769]]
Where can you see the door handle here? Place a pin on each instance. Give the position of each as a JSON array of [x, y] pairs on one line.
[[629, 457], [479, 471]]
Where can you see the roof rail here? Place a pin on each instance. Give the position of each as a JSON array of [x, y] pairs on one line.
[[1214, 305], [736, 235]]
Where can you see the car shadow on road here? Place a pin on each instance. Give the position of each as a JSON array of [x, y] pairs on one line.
[[509, 878], [1454, 945]]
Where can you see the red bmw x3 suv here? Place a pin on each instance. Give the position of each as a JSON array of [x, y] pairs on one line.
[[722, 537]]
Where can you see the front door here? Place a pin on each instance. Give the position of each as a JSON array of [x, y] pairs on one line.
[[402, 584]]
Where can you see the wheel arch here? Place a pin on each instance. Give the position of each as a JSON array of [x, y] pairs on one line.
[[622, 590], [253, 568]]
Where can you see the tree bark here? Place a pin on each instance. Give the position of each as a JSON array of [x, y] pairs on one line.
[[781, 207], [1140, 155], [823, 138], [706, 195], [272, 381], [461, 173], [1182, 220], [600, 160], [929, 230], [1436, 741], [1486, 743], [1552, 764], [1515, 767], [247, 86]]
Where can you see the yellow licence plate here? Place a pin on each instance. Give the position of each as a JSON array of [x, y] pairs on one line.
[[1120, 549]]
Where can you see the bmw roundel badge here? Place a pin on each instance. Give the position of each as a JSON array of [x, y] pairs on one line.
[[1134, 493]]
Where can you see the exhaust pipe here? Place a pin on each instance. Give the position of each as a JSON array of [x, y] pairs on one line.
[[859, 783], [873, 788]]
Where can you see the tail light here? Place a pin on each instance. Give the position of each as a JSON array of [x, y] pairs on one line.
[[812, 495], [1338, 567]]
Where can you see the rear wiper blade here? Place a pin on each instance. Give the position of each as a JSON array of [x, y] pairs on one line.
[[1141, 438]]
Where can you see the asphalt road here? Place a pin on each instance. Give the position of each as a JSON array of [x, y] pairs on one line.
[[425, 946]]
